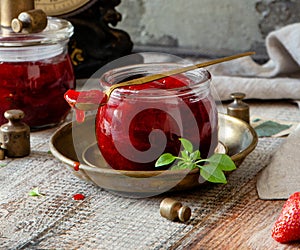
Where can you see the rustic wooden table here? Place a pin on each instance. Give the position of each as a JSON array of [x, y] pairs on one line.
[[227, 216]]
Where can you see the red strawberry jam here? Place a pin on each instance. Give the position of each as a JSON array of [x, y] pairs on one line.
[[141, 122], [35, 72], [37, 88]]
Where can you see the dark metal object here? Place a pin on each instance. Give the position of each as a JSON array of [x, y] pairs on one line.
[[172, 210], [238, 108], [15, 135], [95, 42]]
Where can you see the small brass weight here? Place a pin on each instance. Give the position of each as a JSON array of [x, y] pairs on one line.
[[21, 16], [238, 108], [14, 135], [173, 210]]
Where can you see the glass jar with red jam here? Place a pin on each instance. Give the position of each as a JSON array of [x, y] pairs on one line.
[[141, 122], [35, 72]]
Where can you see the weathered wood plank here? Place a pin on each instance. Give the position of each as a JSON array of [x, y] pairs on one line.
[[244, 225]]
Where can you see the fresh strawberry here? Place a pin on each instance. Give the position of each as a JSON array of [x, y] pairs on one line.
[[287, 226]]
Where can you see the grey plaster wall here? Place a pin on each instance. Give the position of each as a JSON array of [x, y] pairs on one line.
[[208, 27]]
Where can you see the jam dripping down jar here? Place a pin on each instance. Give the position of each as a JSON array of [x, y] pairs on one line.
[[36, 71]]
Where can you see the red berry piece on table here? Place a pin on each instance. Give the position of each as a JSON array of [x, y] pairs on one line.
[[287, 226], [78, 197]]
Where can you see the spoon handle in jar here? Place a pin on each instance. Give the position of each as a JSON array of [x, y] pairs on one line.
[[154, 77]]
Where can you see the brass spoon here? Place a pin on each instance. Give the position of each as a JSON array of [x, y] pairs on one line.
[[107, 93], [151, 78]]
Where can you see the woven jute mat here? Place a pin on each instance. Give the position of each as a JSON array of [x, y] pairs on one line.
[[107, 221]]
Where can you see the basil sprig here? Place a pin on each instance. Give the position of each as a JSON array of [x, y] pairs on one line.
[[211, 169]]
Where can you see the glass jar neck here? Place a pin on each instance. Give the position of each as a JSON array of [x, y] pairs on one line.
[[32, 53], [198, 81], [52, 41]]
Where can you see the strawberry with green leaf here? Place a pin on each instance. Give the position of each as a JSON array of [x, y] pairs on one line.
[[287, 226], [211, 169]]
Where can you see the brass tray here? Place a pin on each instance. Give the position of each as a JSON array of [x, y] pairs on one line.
[[238, 137]]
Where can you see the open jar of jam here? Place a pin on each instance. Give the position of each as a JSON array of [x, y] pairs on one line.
[[35, 72], [141, 122]]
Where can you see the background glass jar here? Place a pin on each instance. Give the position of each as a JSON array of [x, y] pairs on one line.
[[141, 122], [35, 72]]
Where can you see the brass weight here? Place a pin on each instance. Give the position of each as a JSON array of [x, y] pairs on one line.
[[31, 21], [238, 108], [15, 135], [173, 210], [21, 16], [10, 9]]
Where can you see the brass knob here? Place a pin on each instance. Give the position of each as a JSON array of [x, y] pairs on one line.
[[173, 210], [11, 9], [31, 21], [238, 108]]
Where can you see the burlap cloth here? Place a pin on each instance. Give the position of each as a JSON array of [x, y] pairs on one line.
[[107, 221]]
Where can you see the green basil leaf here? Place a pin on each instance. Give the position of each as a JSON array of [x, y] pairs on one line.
[[179, 166], [35, 192], [223, 161], [184, 165], [187, 145], [191, 166], [212, 173], [195, 155], [185, 154], [164, 159]]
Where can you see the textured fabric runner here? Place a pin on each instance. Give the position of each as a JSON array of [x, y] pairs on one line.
[[107, 221], [281, 177]]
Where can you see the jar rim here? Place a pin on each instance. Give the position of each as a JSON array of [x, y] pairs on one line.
[[57, 30], [200, 80]]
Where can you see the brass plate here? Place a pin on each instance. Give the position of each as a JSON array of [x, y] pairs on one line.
[[238, 137], [92, 157]]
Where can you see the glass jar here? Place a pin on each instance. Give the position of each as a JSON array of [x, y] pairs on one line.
[[141, 122], [35, 72]]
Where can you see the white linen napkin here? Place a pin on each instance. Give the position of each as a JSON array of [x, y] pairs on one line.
[[279, 78]]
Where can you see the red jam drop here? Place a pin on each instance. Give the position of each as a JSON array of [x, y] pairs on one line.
[[37, 88], [125, 125], [78, 197], [74, 98], [76, 165]]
